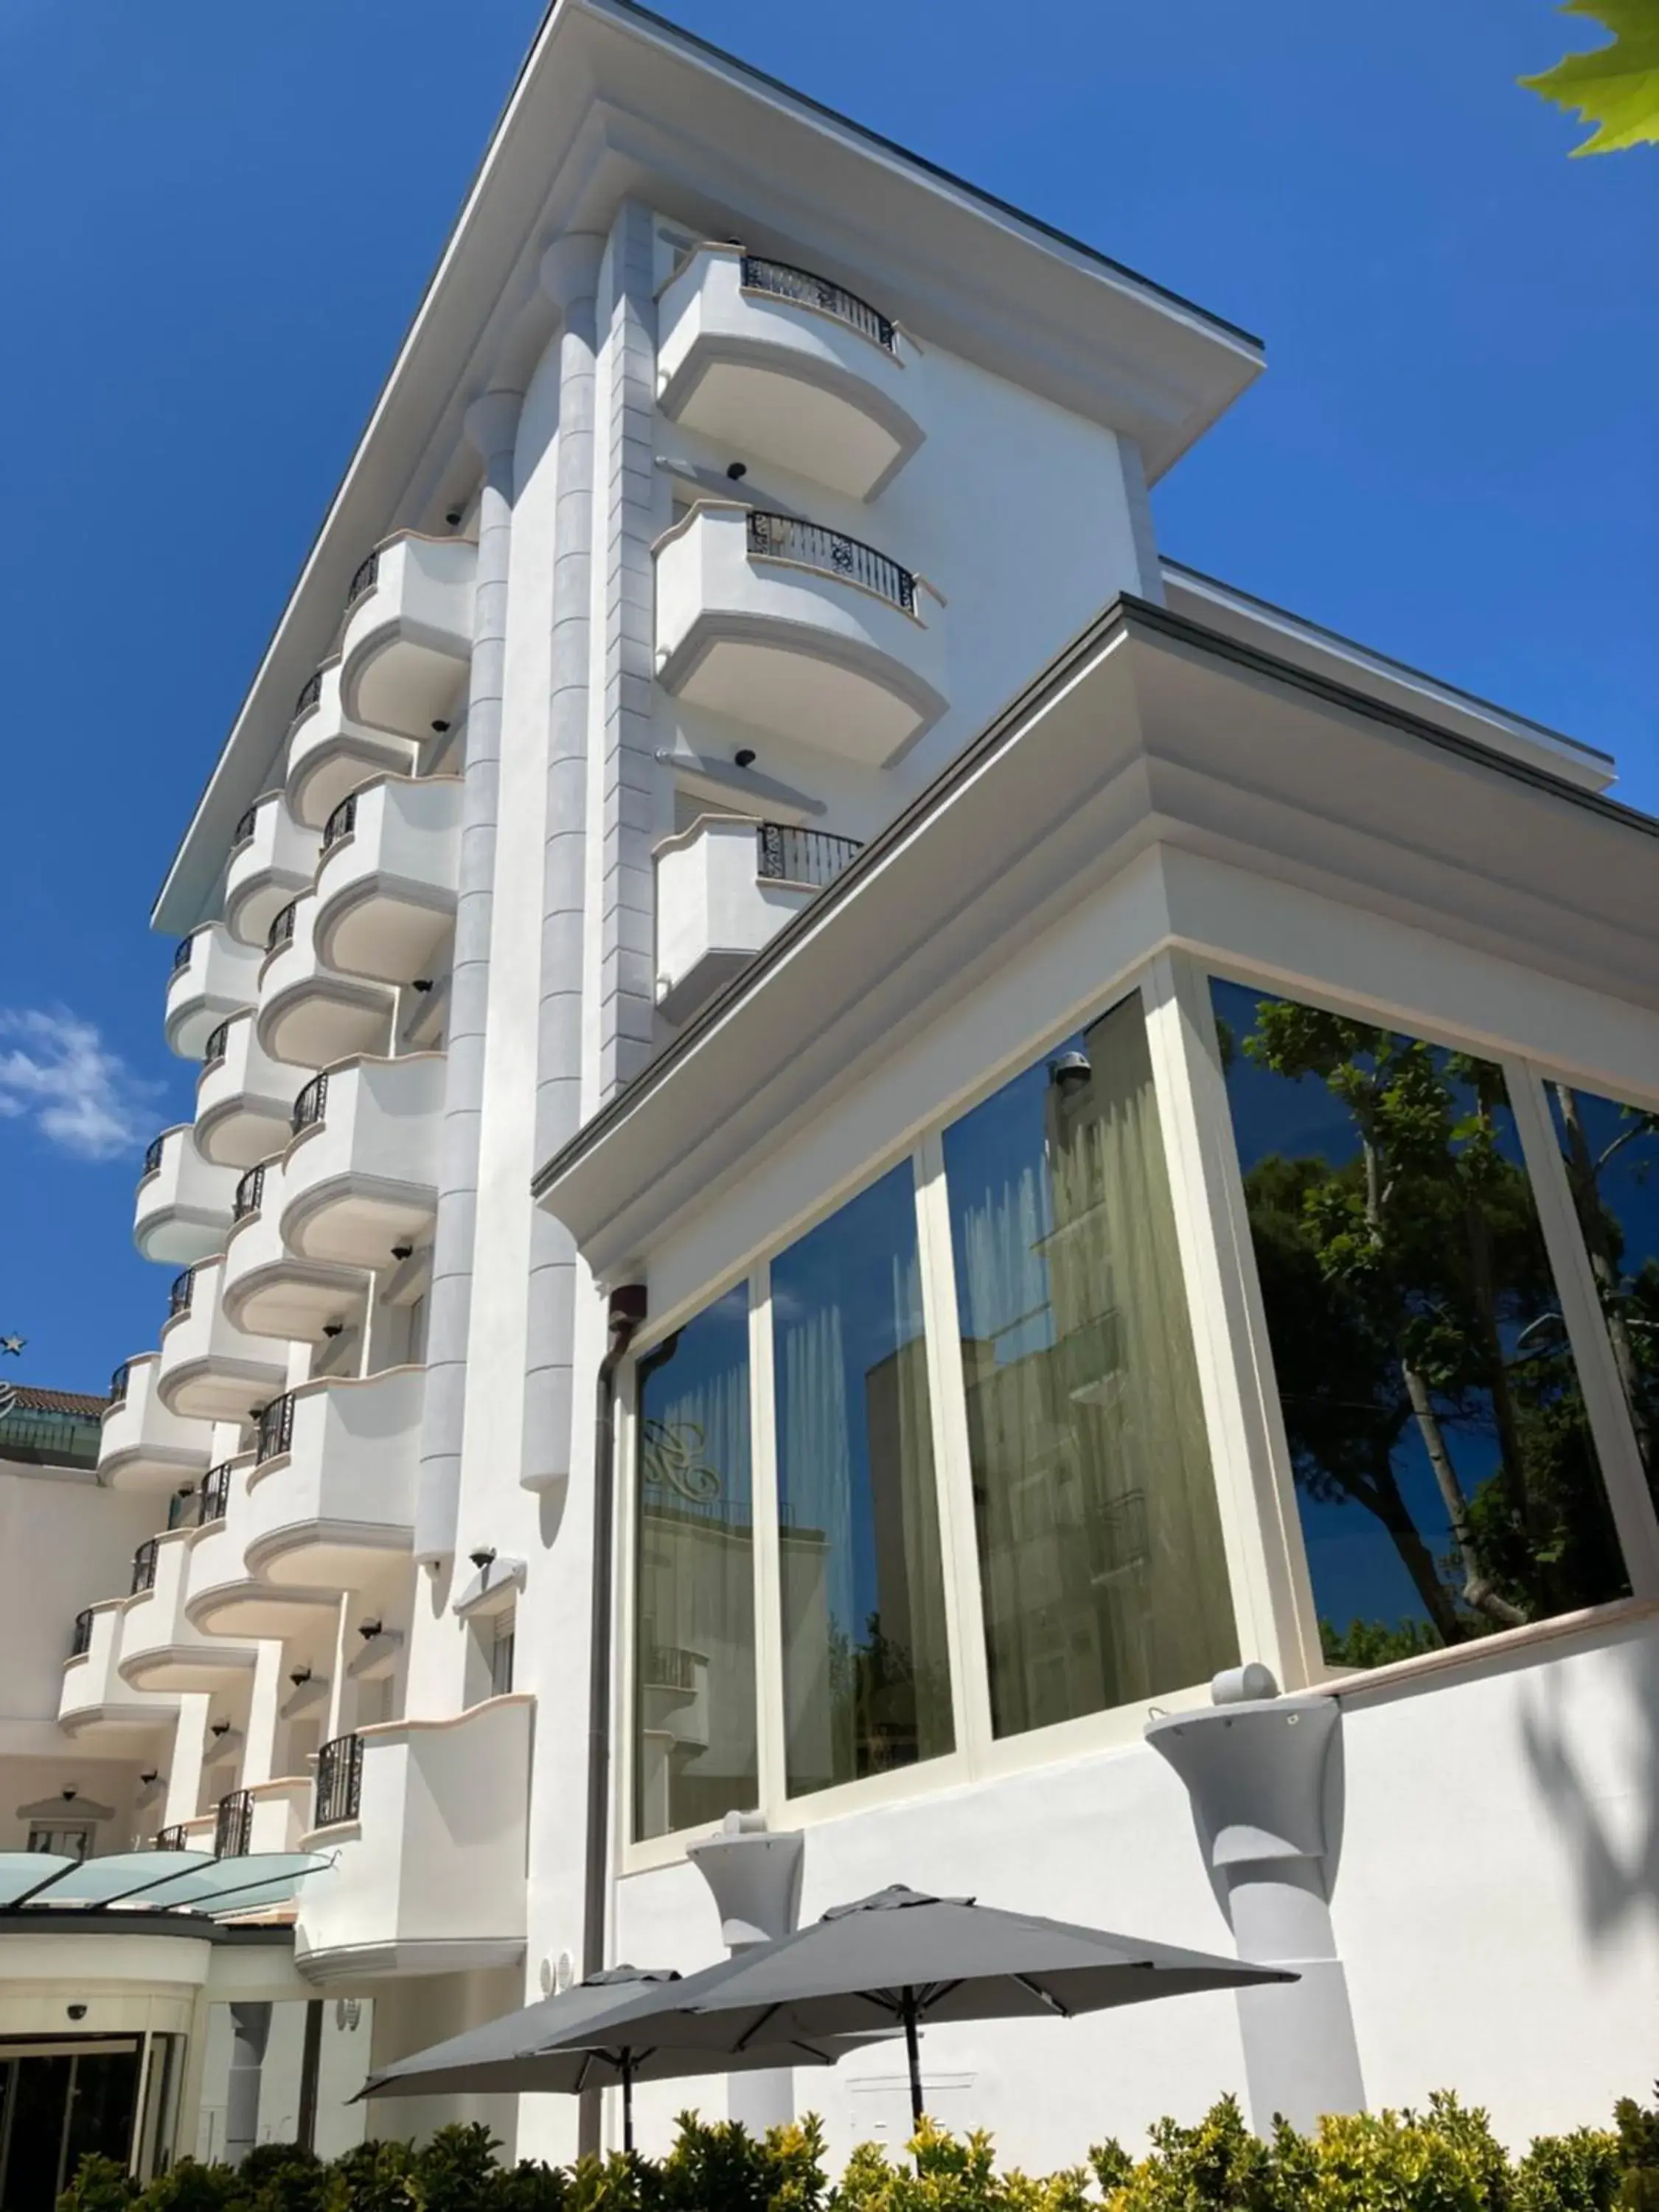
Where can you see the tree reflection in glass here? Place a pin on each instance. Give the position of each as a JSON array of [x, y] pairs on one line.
[[1611, 1157], [693, 1607], [1446, 1479], [866, 1671]]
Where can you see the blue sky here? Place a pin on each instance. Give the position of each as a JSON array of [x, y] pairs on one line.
[[220, 219]]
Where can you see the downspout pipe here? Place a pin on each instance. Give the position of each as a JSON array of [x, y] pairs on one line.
[[627, 1315], [570, 274], [492, 427]]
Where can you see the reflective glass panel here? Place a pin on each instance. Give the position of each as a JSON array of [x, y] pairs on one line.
[[694, 1638], [1445, 1476], [1099, 1541], [1611, 1156], [866, 1672]]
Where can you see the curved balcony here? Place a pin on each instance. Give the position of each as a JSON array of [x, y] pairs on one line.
[[328, 755], [183, 1205], [273, 859], [725, 888], [342, 1494], [269, 1290], [161, 1648], [95, 1705], [775, 361], [386, 891], [360, 1179], [427, 1821], [210, 1370], [307, 1014], [212, 977], [145, 1446], [409, 634], [220, 1597], [800, 630], [244, 1098]]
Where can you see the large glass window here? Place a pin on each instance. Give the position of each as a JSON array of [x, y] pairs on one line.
[[1099, 1541], [1446, 1480], [693, 1640], [1611, 1156], [865, 1669]]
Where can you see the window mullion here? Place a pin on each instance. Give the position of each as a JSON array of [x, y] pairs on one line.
[[1622, 1472], [770, 1745], [1266, 1559], [952, 1460]]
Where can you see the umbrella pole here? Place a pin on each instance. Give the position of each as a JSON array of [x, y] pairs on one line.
[[913, 2052], [628, 2100]]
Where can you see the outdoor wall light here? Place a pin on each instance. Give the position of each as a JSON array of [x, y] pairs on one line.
[[484, 1557], [1070, 1072], [422, 984], [402, 1251], [153, 1775], [369, 1630], [438, 728], [745, 756], [76, 2011], [453, 517], [737, 470], [300, 1676], [333, 1327]]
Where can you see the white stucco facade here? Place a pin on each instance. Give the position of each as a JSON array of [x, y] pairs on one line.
[[736, 716]]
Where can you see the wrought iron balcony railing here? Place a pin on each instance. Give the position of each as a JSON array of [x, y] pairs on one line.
[[143, 1567], [233, 1829], [342, 822], [179, 1295], [216, 1493], [832, 553], [118, 1383], [81, 1635], [250, 1189], [172, 1838], [310, 692], [181, 954], [784, 281], [282, 929], [275, 1431], [218, 1045], [153, 1156], [339, 1780], [245, 827], [311, 1105], [789, 856], [363, 580]]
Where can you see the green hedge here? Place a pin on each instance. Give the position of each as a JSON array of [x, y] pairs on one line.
[[1444, 2159]]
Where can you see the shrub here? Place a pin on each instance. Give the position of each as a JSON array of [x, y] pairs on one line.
[[1577, 2172], [1444, 2159]]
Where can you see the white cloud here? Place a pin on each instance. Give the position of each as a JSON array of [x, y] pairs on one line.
[[56, 1070]]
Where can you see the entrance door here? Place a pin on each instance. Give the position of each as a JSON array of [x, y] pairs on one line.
[[58, 2102]]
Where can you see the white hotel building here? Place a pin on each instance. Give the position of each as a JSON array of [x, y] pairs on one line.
[[852, 1136]]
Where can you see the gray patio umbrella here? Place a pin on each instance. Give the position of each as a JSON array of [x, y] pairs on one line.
[[591, 2028], [903, 1959]]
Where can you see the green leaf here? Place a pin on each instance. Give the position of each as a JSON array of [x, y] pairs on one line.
[[1615, 87]]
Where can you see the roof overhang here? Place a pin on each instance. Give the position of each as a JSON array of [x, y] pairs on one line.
[[1150, 731], [600, 110]]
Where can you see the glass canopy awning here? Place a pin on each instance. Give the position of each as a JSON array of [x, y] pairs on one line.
[[193, 1881]]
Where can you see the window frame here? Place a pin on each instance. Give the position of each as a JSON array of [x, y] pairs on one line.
[[979, 1754], [1629, 1498]]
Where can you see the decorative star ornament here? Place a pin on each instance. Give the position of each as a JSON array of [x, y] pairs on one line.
[[13, 1344]]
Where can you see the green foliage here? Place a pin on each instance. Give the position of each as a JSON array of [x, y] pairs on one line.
[[1445, 2159], [100, 2184], [1376, 1643], [1615, 87], [1577, 2172]]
